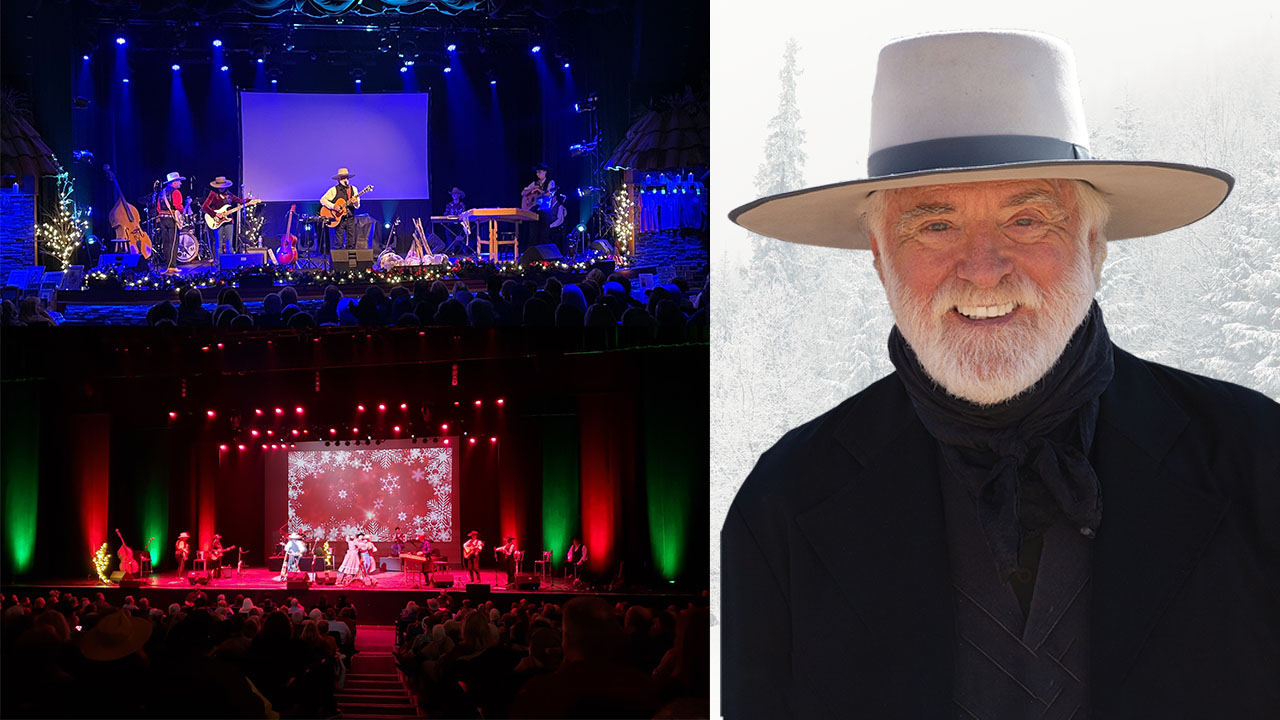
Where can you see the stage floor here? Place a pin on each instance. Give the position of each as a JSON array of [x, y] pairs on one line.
[[380, 603]]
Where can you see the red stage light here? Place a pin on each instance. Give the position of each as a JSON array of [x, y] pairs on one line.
[[333, 431], [305, 431], [264, 447], [257, 411], [173, 414], [477, 403], [382, 407], [279, 411], [404, 406], [219, 346], [240, 446], [396, 428], [273, 446], [204, 349], [210, 413], [271, 432], [360, 408], [446, 441], [444, 427], [355, 431], [295, 433], [493, 440], [253, 433], [292, 445], [298, 410], [499, 401], [472, 441], [222, 447]]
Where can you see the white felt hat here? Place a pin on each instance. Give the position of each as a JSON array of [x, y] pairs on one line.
[[977, 106]]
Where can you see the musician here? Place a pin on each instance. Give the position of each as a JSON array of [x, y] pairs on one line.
[[471, 555], [351, 562], [219, 197], [537, 196], [345, 233], [577, 556], [169, 206], [506, 556], [456, 207], [182, 551], [293, 551], [215, 555], [397, 542]]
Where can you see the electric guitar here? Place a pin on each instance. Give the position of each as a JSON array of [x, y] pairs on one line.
[[334, 216], [222, 215]]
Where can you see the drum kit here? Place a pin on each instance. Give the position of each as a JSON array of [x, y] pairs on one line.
[[191, 247]]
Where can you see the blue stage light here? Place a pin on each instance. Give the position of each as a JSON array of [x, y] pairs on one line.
[[493, 82], [451, 47], [448, 69], [260, 61], [120, 41], [357, 81], [126, 79], [404, 69], [225, 68], [217, 43], [274, 81], [387, 225], [535, 49], [86, 57], [582, 228], [566, 66], [408, 63], [91, 240], [175, 66]]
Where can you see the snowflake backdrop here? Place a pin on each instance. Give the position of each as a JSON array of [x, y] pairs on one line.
[[334, 493]]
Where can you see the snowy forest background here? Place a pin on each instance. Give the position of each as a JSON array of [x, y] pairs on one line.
[[797, 329]]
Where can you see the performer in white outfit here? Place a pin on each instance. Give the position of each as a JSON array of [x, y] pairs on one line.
[[293, 551], [351, 562]]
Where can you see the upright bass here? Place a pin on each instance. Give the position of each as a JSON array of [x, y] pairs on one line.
[[125, 221], [128, 565]]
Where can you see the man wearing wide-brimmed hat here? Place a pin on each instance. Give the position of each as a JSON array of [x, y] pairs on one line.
[[219, 197], [344, 234], [169, 209], [1023, 520], [182, 552], [471, 555]]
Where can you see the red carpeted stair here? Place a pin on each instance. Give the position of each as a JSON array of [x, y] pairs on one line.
[[373, 688]]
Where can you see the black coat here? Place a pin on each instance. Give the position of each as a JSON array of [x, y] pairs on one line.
[[837, 598]]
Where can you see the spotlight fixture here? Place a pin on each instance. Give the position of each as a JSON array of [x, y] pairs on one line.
[[175, 66], [126, 81], [535, 49], [225, 68], [260, 61], [217, 43], [382, 407], [408, 63], [493, 82], [407, 49], [404, 406], [448, 69], [566, 64], [210, 413], [274, 81], [222, 447], [173, 415], [86, 57], [120, 40], [403, 69], [451, 47]]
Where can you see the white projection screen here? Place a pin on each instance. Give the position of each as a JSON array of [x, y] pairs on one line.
[[334, 492], [293, 143]]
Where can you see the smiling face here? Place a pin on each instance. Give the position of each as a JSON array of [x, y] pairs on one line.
[[988, 280]]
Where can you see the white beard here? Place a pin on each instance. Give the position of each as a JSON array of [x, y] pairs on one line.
[[989, 365]]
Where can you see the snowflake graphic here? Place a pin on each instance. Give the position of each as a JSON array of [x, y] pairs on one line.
[[386, 457], [377, 504], [390, 483], [401, 517], [342, 494], [418, 474]]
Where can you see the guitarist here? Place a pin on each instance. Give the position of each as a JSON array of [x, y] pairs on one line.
[[471, 555], [537, 196], [168, 208], [220, 196], [346, 229]]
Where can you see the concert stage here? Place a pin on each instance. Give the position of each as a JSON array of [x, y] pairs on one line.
[[380, 603]]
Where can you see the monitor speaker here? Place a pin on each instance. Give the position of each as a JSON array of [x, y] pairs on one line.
[[117, 576], [231, 261], [359, 259], [122, 261], [442, 583], [435, 244], [297, 584], [131, 583], [198, 577], [528, 582], [601, 246], [540, 253], [326, 578]]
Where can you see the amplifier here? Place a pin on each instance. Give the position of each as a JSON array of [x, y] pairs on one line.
[[361, 259], [228, 261]]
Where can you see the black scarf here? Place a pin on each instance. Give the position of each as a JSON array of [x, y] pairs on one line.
[[1025, 461]]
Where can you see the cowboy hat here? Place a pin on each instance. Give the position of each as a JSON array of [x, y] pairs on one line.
[[183, 535], [979, 106], [457, 191], [540, 166], [220, 182], [173, 176], [116, 635], [343, 173], [473, 533]]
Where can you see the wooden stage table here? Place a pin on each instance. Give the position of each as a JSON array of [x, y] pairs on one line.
[[493, 216]]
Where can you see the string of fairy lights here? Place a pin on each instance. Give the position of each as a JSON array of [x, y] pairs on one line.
[[623, 222], [65, 228], [101, 561]]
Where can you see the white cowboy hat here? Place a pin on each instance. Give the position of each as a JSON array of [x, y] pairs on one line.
[[116, 635], [976, 106], [343, 172], [183, 535], [173, 176]]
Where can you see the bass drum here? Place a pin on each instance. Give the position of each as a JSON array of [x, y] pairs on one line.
[[188, 246]]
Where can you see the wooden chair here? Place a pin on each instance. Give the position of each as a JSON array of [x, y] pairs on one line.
[[545, 562]]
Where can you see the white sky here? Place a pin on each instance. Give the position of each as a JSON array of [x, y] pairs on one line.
[[1138, 48]]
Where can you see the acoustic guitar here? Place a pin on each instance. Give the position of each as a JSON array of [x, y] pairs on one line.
[[334, 216], [288, 243]]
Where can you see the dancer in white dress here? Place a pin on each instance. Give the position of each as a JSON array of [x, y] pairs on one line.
[[351, 562]]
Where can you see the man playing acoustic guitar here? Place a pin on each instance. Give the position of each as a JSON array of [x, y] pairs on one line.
[[340, 199]]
